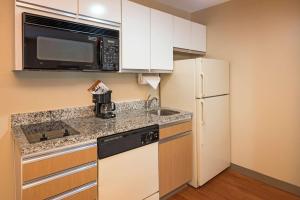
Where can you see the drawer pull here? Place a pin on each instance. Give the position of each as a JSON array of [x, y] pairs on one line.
[[58, 175], [32, 159], [75, 191]]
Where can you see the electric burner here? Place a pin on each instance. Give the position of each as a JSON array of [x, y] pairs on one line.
[[47, 131]]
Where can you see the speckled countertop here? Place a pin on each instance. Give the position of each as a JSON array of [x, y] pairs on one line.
[[90, 128]]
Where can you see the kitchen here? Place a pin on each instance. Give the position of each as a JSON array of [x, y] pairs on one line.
[[263, 59]]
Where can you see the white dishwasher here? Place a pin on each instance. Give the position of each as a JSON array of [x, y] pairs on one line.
[[128, 165]]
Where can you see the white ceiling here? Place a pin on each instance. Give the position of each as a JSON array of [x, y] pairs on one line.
[[192, 5]]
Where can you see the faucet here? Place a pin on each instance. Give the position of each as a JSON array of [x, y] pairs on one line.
[[149, 101]]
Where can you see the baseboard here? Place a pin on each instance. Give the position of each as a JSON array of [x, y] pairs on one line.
[[167, 196], [267, 179]]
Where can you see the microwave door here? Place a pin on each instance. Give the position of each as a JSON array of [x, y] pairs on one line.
[[55, 49]]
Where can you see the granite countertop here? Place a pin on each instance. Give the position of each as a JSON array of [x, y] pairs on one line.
[[91, 128]]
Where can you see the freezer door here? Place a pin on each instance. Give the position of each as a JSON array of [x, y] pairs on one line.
[[213, 137], [212, 77]]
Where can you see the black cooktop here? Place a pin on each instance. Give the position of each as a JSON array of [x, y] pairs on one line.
[[47, 131]]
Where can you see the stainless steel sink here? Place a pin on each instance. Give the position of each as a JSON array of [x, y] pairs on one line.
[[163, 112]]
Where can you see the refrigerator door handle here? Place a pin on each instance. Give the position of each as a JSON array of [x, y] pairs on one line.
[[202, 112], [202, 84]]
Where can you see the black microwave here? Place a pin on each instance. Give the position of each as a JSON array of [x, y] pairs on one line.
[[55, 44]]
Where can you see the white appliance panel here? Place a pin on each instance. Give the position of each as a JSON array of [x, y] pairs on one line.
[[213, 135], [130, 175], [212, 77]]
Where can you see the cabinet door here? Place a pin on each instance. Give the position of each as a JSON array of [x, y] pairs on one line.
[[135, 36], [161, 40], [109, 10], [198, 37], [175, 163], [182, 33], [62, 5]]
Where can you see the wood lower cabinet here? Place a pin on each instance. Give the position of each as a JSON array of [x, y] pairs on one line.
[[64, 174], [57, 163], [60, 185], [175, 162]]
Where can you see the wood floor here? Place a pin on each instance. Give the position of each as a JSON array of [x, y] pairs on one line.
[[231, 185]]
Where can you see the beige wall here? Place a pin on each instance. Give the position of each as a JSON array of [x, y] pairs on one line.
[[34, 91], [261, 39]]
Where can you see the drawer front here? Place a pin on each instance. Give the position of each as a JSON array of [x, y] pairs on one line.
[[58, 162], [175, 129], [60, 185], [89, 194]]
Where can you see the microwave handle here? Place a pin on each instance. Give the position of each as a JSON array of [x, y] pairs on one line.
[[99, 52], [75, 67]]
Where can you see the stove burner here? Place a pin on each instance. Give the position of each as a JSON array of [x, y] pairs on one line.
[[47, 131]]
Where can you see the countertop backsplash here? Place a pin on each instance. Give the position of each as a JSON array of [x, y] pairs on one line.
[[73, 112]]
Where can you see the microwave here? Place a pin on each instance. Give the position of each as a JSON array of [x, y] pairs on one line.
[[55, 44]]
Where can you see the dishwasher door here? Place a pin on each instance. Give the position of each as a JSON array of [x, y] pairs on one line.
[[131, 175]]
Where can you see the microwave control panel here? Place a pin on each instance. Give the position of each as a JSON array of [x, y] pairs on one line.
[[110, 54]]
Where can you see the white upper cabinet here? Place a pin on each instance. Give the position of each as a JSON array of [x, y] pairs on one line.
[[198, 37], [109, 10], [189, 35], [182, 33], [61, 5], [161, 40], [135, 36]]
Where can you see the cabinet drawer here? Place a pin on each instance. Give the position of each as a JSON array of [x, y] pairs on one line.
[[85, 192], [174, 130], [89, 194], [60, 183], [56, 162]]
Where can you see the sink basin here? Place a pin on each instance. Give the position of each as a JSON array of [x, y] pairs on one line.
[[163, 112]]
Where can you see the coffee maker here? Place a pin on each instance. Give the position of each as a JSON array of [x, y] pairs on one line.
[[104, 107]]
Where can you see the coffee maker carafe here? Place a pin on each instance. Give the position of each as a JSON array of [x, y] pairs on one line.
[[104, 107]]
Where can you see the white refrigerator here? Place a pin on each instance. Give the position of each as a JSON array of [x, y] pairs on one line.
[[201, 86]]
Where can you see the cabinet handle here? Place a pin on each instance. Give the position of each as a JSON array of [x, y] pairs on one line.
[[174, 137], [202, 112], [75, 191], [27, 160], [202, 84]]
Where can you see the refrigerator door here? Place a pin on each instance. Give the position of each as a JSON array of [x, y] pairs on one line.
[[213, 137], [212, 77]]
